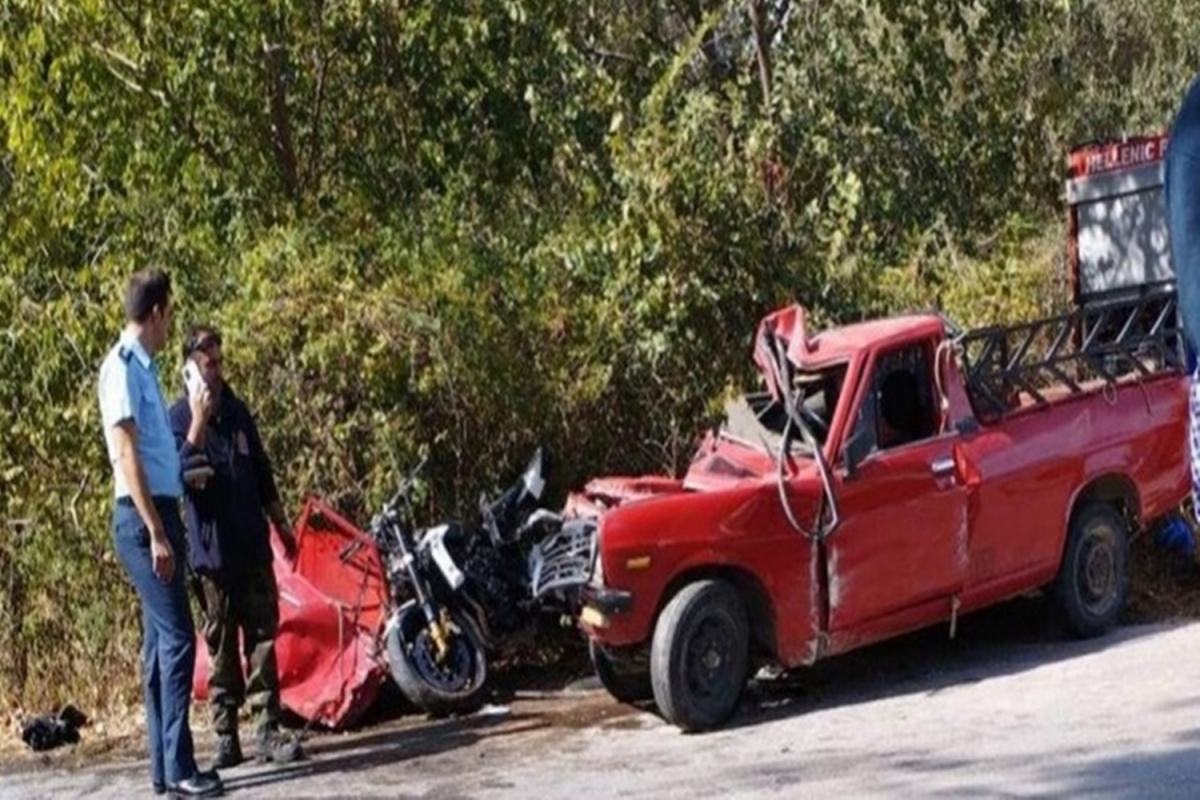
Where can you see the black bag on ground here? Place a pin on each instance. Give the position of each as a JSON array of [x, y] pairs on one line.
[[48, 732]]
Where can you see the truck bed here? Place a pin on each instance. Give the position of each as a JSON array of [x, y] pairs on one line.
[[1012, 369]]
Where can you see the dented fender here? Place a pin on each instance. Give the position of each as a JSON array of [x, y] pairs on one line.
[[652, 547]]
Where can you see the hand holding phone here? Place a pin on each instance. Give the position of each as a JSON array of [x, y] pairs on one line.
[[192, 379], [199, 398]]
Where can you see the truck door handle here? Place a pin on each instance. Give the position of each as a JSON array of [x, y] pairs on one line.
[[942, 467]]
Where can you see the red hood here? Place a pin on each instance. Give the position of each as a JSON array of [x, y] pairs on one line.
[[601, 494], [719, 463]]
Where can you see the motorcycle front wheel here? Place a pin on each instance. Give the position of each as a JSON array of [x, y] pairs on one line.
[[452, 684]]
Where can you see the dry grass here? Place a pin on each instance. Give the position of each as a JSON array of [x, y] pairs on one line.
[[1164, 585]]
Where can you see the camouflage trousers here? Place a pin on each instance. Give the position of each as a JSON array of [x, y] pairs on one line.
[[241, 612]]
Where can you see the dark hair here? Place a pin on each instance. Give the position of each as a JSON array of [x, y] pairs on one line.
[[200, 337], [147, 289]]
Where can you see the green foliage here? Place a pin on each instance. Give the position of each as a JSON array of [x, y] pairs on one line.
[[477, 226]]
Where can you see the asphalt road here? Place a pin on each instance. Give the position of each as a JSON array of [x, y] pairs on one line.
[[1005, 710]]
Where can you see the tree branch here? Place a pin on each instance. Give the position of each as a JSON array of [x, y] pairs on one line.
[[275, 63], [313, 171], [314, 154], [604, 53], [762, 47]]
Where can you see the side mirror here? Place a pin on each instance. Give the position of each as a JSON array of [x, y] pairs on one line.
[[858, 447], [534, 476]]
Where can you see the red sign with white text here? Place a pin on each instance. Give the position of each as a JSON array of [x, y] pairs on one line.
[[1094, 159]]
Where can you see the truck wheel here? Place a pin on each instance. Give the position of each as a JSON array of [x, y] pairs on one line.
[[700, 655], [626, 681], [1093, 581]]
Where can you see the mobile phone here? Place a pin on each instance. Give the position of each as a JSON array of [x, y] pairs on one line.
[[192, 379]]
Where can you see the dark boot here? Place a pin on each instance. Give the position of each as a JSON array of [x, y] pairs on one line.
[[202, 784], [273, 746], [229, 752]]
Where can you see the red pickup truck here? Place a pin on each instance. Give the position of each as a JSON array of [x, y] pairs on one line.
[[895, 474]]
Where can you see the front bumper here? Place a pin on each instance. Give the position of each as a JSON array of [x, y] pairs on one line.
[[601, 604]]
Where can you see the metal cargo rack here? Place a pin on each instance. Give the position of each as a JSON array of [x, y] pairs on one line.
[[1008, 367]]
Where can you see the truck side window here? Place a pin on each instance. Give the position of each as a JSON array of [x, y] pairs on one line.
[[899, 408]]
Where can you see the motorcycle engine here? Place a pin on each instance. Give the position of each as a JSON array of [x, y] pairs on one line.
[[502, 592]]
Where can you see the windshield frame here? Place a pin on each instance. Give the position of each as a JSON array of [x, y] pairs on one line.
[[745, 421]]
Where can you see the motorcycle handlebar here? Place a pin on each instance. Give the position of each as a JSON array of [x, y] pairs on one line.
[[406, 485]]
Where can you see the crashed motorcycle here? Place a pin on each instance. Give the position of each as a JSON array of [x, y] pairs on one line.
[[460, 592]]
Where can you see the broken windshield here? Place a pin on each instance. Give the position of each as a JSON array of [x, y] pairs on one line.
[[758, 419]]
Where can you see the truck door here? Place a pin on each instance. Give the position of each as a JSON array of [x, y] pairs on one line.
[[900, 553]]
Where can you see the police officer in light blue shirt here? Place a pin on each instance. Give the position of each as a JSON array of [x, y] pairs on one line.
[[148, 533]]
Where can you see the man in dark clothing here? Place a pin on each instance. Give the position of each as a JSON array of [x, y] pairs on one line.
[[226, 514]]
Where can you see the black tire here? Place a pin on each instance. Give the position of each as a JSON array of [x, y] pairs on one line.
[[700, 655], [456, 687], [626, 681], [1092, 586]]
